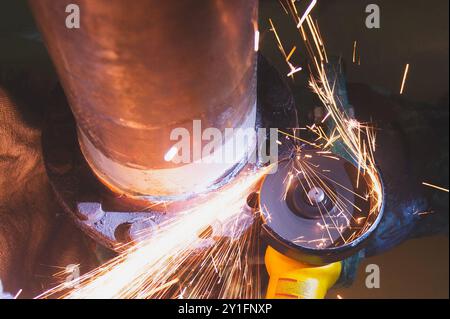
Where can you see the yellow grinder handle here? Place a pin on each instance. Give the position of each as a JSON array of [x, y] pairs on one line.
[[290, 279]]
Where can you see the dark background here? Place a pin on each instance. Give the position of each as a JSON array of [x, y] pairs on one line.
[[412, 31]]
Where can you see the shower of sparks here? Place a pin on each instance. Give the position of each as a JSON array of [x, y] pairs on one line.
[[287, 57], [405, 75], [436, 187], [347, 221], [168, 263], [359, 141]]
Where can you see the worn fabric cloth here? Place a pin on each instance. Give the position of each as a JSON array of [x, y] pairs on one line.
[[36, 240]]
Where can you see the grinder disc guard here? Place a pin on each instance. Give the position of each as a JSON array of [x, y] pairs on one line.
[[317, 208]]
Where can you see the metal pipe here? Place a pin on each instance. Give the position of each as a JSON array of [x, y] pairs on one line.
[[136, 70]]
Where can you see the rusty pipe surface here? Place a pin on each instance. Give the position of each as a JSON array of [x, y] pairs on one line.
[[136, 70]]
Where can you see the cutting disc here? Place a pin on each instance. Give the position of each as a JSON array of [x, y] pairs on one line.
[[317, 208]]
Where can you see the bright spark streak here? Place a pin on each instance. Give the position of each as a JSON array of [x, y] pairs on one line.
[[257, 35], [326, 117], [297, 138], [170, 154], [293, 71], [405, 75], [284, 8], [307, 12], [291, 53], [164, 286], [18, 294], [436, 187]]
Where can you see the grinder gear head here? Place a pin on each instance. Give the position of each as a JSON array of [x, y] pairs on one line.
[[318, 208]]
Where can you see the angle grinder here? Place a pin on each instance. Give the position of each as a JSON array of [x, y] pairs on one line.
[[317, 209]]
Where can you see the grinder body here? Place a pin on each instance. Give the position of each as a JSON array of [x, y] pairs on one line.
[[292, 279]]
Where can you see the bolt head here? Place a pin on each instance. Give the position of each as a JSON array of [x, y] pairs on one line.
[[91, 212], [316, 195]]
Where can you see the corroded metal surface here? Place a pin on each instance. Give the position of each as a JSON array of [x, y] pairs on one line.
[[135, 70]]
